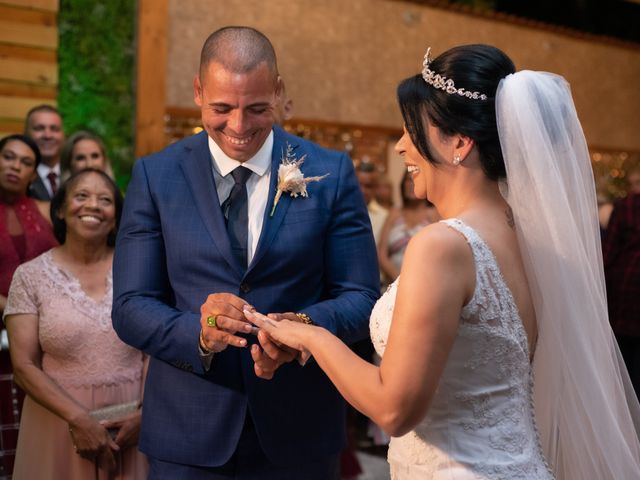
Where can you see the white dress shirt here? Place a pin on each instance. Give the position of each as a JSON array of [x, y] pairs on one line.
[[257, 185]]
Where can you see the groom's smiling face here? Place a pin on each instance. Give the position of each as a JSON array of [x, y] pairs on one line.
[[237, 108]]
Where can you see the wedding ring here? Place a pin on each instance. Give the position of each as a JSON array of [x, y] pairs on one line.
[[212, 321]]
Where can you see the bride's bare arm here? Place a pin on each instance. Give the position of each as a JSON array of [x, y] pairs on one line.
[[437, 279]]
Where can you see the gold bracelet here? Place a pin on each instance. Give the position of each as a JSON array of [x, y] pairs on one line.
[[304, 318], [203, 345]]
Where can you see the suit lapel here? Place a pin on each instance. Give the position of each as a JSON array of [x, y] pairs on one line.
[[197, 168], [271, 224], [38, 189]]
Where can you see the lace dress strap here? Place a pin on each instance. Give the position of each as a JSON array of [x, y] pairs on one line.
[[486, 263], [491, 291], [487, 271], [469, 233]]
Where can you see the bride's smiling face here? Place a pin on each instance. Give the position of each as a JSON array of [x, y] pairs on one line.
[[423, 172]]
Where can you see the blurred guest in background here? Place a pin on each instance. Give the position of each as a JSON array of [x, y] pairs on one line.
[[633, 179], [605, 207], [621, 250], [605, 204], [384, 192], [25, 232], [81, 150], [368, 177], [402, 224], [25, 228], [44, 125], [66, 355]]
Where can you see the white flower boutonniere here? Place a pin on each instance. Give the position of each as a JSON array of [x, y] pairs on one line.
[[290, 178]]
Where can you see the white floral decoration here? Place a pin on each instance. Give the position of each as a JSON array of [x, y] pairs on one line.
[[290, 178]]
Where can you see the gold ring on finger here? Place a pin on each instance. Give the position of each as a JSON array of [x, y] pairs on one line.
[[212, 321]]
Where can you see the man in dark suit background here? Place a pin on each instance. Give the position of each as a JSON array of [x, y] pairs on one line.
[[201, 224], [44, 124]]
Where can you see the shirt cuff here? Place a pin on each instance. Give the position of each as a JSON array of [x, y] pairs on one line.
[[205, 358]]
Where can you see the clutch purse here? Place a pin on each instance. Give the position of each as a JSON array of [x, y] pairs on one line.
[[114, 412]]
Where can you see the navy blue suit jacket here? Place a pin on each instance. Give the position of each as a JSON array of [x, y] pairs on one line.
[[315, 255]]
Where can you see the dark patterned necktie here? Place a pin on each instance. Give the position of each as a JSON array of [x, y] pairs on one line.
[[53, 181], [236, 213]]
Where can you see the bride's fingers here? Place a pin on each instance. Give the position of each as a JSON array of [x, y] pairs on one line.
[[260, 320], [272, 348]]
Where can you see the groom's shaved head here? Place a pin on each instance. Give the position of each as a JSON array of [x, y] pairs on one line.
[[239, 50]]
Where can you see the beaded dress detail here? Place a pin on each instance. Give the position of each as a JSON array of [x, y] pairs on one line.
[[481, 423]]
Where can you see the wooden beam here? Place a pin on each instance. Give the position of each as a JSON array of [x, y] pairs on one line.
[[8, 127], [24, 15], [17, 107], [28, 53], [50, 5], [153, 19], [28, 34], [39, 73], [17, 89]]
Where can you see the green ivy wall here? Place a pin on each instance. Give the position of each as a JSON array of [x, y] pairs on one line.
[[96, 58]]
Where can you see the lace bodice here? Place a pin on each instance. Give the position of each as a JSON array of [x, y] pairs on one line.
[[79, 345], [480, 424]]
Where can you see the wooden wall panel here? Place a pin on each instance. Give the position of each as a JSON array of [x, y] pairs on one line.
[[151, 79], [26, 15], [40, 73], [28, 59], [27, 53], [27, 34], [50, 5], [14, 89], [17, 107]]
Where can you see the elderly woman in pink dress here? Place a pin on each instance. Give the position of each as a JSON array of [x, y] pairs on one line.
[[65, 353]]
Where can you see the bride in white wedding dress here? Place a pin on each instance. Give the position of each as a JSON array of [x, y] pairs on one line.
[[513, 270]]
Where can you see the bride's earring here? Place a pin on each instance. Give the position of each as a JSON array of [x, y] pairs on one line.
[[456, 159]]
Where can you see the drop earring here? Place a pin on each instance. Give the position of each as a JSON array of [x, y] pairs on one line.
[[456, 159]]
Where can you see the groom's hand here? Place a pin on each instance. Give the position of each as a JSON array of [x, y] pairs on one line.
[[267, 360], [221, 318]]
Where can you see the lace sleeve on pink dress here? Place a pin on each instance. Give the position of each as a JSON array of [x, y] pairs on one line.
[[21, 299]]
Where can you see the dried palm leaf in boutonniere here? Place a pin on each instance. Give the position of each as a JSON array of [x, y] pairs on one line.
[[290, 178]]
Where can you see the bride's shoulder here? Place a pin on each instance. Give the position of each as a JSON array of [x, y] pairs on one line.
[[439, 233], [438, 241], [440, 255]]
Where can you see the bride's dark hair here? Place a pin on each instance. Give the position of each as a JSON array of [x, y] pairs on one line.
[[476, 68]]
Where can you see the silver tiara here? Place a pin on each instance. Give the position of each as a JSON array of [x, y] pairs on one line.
[[444, 83]]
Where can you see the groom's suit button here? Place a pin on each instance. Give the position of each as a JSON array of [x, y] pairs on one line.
[[245, 287]]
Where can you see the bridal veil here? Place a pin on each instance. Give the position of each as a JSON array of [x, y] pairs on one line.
[[586, 411]]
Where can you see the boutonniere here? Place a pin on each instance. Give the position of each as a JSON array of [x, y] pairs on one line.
[[290, 178]]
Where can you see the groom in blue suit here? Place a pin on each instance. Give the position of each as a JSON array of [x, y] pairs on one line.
[[201, 229]]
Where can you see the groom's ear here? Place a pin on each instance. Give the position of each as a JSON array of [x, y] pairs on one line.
[[279, 87], [197, 90]]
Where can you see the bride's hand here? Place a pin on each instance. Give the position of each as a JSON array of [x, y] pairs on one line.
[[283, 332]]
